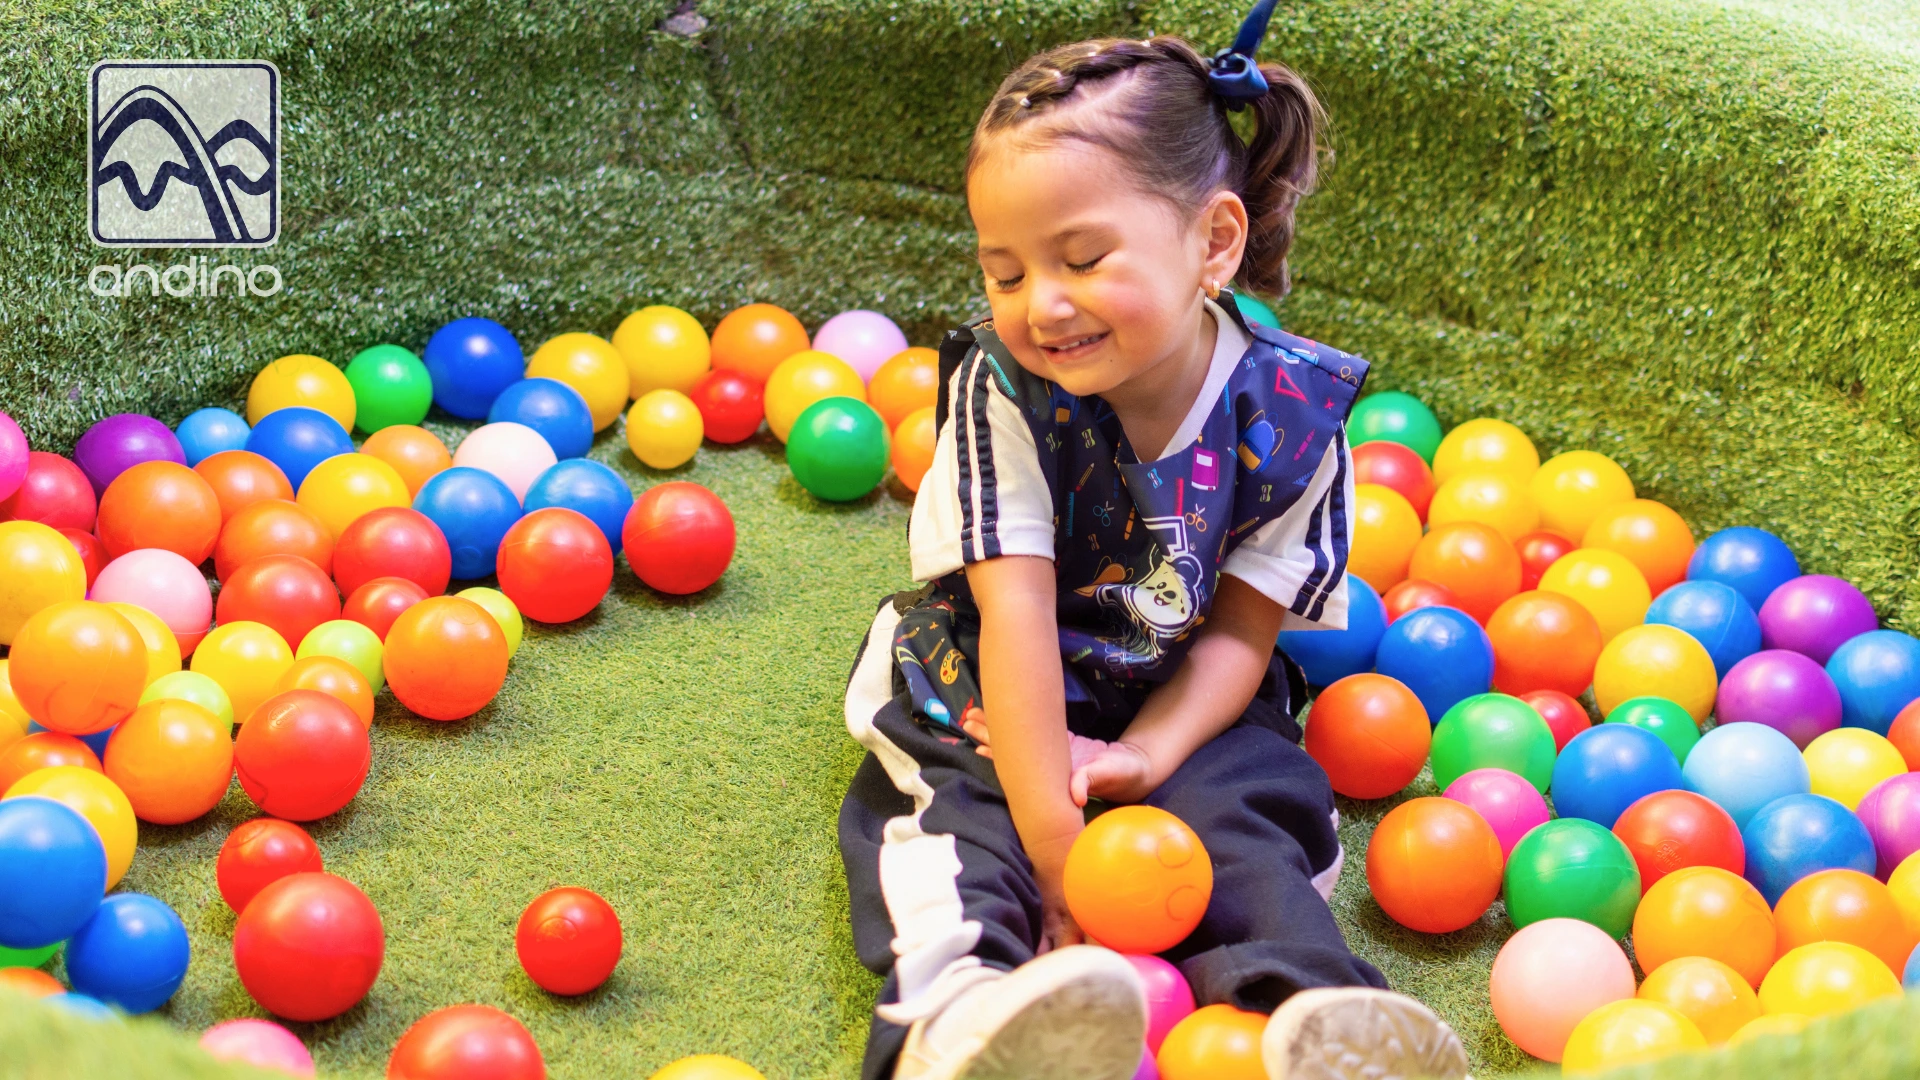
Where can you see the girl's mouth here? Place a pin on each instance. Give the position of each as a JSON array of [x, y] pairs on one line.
[[1073, 349]]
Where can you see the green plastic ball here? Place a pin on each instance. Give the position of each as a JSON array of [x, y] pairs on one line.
[[390, 386], [1664, 718], [191, 686], [1255, 311], [837, 449], [1571, 868], [27, 958], [353, 642], [1493, 731], [1395, 417]]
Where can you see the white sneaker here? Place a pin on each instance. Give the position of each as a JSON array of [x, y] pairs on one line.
[[1359, 1033], [1077, 1013]]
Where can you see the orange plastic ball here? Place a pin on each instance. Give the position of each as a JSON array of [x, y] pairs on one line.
[[1705, 911], [754, 339], [1905, 734], [1138, 880], [159, 504], [273, 527], [1385, 532], [1650, 535], [1217, 1042], [1473, 560], [331, 676], [30, 981], [1371, 735], [173, 759], [78, 667], [240, 478], [445, 658], [1843, 905], [1434, 865], [905, 384], [1495, 499], [415, 453], [43, 750], [912, 448], [1543, 641]]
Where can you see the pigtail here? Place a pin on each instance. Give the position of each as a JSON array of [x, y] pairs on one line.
[[1283, 161]]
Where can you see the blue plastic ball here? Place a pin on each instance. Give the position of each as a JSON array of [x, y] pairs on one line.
[[132, 953], [1754, 561], [1440, 654], [96, 742], [589, 488], [1327, 656], [1609, 767], [82, 1006], [550, 407], [53, 872], [471, 361], [209, 432], [1797, 835], [297, 439], [1715, 615], [1743, 767], [1878, 674], [1910, 979], [474, 510]]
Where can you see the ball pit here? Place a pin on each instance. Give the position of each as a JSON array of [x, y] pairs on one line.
[[309, 946], [1549, 976], [206, 432], [1572, 868], [131, 954], [1440, 654], [549, 408], [1434, 865], [1137, 879], [390, 387], [258, 853], [568, 941], [470, 361], [1370, 734]]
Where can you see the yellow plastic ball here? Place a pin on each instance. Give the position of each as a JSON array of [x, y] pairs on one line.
[[1485, 445], [346, 487], [1606, 583], [496, 604], [246, 659], [1826, 977], [94, 797], [664, 348], [163, 649], [1385, 532], [1845, 764], [664, 429], [708, 1067], [1628, 1031], [13, 715], [1707, 992], [38, 569], [590, 365], [804, 378], [303, 381], [1904, 883], [1771, 1024], [1572, 488], [1651, 660], [1494, 499]]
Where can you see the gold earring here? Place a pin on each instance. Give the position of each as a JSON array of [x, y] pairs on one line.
[[1213, 288]]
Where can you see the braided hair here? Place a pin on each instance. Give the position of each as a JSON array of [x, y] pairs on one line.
[[1157, 114]]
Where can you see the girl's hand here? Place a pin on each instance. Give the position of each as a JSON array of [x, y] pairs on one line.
[[1114, 771]]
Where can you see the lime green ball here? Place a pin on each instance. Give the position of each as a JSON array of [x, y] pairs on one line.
[[191, 686], [1395, 417], [1493, 731], [1664, 718], [27, 958], [503, 611], [1572, 868], [837, 448], [1254, 311], [390, 386], [353, 642]]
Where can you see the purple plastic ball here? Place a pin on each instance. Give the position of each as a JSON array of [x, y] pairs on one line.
[[1814, 615], [120, 442], [1891, 813], [1785, 691]]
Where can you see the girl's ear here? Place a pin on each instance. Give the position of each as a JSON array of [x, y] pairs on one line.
[[1222, 222]]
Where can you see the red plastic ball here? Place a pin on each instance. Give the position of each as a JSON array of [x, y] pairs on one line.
[[159, 504], [302, 755], [285, 592], [54, 493], [376, 604], [1371, 735], [272, 527], [466, 1042], [555, 565], [1414, 594], [260, 852], [1905, 734], [568, 940], [393, 541], [678, 537], [93, 555], [309, 946], [1565, 716], [731, 405], [1671, 830], [1390, 464], [1537, 552]]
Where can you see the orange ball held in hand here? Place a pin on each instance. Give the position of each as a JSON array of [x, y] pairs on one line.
[[1472, 560], [1217, 1042], [905, 384], [1370, 733], [78, 667], [240, 478], [754, 339], [446, 658], [1138, 880], [1705, 911], [159, 504], [334, 677], [173, 759], [415, 453], [1385, 531], [1434, 865], [272, 527], [912, 447], [1543, 641], [1843, 905], [1650, 535]]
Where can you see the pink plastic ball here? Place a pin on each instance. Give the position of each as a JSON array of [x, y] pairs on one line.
[[164, 583], [1891, 813], [260, 1043], [864, 339], [1169, 998], [1509, 802], [13, 456], [1549, 976], [515, 453]]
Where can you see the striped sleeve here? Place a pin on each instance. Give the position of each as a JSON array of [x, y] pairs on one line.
[[984, 495], [1299, 559]]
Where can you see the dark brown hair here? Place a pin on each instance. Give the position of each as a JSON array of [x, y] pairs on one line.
[[1162, 121]]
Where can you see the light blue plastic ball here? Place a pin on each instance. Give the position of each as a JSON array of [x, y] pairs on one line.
[[1878, 674], [211, 431], [1743, 767]]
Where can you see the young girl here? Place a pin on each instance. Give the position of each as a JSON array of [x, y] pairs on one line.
[[1133, 490]]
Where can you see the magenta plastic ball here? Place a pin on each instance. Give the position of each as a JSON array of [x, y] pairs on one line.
[[1814, 615], [163, 583], [864, 339], [120, 442], [1891, 813], [13, 457], [1169, 998], [1787, 691], [260, 1043], [1509, 802]]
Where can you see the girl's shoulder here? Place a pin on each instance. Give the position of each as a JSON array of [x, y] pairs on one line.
[[1273, 348], [974, 364]]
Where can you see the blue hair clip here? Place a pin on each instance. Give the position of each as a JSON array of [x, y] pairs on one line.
[[1232, 73]]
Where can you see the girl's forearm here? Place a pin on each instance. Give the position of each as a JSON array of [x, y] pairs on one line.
[[1024, 691]]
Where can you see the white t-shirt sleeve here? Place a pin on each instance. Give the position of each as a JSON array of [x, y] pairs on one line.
[[1299, 559], [984, 495]]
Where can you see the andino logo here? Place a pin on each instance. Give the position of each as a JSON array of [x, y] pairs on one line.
[[184, 153]]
